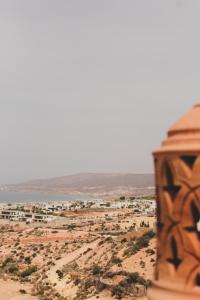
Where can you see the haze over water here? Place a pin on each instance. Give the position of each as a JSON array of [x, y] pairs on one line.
[[13, 197]]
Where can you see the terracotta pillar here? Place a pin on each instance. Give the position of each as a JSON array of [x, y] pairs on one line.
[[177, 168]]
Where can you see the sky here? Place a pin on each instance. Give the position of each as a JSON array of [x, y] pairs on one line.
[[93, 85]]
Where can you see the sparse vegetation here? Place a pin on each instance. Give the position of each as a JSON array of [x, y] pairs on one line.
[[81, 254], [96, 270], [29, 271]]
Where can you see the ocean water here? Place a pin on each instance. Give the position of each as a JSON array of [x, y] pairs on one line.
[[18, 197]]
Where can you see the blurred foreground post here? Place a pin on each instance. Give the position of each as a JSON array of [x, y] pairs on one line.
[[177, 168]]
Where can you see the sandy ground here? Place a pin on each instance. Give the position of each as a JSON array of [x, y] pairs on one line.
[[62, 235], [102, 296], [105, 296], [74, 252], [132, 264], [61, 284], [9, 290]]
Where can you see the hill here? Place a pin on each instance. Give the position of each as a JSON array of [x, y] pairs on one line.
[[88, 183]]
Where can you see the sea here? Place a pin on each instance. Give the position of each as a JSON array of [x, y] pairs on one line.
[[19, 197]]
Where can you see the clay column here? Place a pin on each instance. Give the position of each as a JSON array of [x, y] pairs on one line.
[[177, 168]]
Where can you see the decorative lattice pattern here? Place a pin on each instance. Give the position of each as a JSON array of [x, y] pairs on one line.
[[178, 207]]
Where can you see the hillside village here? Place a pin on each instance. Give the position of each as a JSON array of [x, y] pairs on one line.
[[46, 212]]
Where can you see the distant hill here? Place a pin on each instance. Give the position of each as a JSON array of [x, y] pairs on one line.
[[88, 183]]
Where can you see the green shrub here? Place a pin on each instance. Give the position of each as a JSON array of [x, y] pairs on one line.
[[88, 284], [134, 277], [13, 268], [28, 271], [140, 243], [117, 291], [6, 261], [96, 270], [116, 260], [27, 260]]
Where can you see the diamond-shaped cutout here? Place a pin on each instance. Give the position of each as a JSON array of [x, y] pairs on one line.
[[175, 260], [171, 187], [195, 214], [198, 280], [189, 160], [172, 191]]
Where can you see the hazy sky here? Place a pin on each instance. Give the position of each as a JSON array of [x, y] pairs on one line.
[[93, 85]]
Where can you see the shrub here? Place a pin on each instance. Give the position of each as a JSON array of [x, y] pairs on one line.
[[22, 291], [13, 268], [96, 270], [100, 243], [150, 251], [142, 264], [88, 284], [60, 274], [116, 260], [77, 281], [109, 239], [117, 291], [134, 277], [124, 240], [142, 242], [27, 260], [6, 261], [28, 271], [149, 234]]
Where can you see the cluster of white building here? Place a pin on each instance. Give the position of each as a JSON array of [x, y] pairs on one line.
[[46, 212], [28, 217], [140, 206]]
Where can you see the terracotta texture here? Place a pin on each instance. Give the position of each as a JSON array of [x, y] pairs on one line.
[[177, 168]]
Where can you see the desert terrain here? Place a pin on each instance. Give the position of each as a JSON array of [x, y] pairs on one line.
[[86, 253]]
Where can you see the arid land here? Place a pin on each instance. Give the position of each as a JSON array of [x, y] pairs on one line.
[[82, 253]]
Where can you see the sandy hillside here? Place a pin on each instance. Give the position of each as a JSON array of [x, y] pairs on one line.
[[10, 290]]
